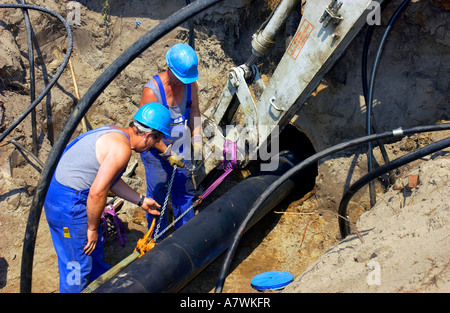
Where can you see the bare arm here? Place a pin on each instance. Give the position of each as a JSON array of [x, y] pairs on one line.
[[121, 189], [194, 121], [195, 125], [147, 96], [113, 153]]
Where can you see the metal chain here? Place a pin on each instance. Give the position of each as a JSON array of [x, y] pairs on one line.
[[157, 234], [176, 220], [165, 201]]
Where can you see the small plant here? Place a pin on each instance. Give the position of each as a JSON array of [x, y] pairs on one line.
[[105, 10]]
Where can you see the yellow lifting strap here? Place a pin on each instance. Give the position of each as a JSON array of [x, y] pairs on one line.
[[146, 243]]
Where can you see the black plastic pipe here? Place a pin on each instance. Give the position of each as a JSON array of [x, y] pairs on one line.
[[417, 154], [296, 170], [58, 72], [370, 93], [32, 80], [365, 87], [186, 252], [77, 114]]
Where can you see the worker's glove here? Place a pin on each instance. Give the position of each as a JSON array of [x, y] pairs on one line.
[[197, 147], [176, 159], [172, 157]]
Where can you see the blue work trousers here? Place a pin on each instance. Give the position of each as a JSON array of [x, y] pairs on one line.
[[66, 215], [158, 173]]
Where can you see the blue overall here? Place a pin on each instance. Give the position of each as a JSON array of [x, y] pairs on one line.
[[158, 170], [65, 210]]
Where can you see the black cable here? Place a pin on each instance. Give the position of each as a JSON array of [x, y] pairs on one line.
[[370, 92], [368, 38], [365, 87], [32, 79], [58, 72], [344, 226], [22, 149], [300, 167], [365, 54], [77, 114]]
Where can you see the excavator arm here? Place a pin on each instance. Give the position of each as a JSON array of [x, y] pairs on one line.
[[325, 30]]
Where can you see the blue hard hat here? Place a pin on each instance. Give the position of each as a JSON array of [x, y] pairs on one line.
[[182, 61], [155, 116]]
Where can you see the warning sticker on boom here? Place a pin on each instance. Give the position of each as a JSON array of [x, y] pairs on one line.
[[299, 39]]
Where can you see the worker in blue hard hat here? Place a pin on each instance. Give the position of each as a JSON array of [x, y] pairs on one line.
[[177, 89], [91, 165]]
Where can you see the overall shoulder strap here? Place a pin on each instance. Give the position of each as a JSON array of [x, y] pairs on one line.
[[189, 100], [161, 89], [187, 114]]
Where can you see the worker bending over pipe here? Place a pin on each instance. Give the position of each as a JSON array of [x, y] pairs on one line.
[[90, 166]]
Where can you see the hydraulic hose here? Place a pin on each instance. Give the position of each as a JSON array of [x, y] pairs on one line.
[[300, 167], [77, 114], [370, 91], [58, 72], [343, 224]]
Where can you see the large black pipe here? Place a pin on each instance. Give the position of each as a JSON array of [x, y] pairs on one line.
[[187, 251]]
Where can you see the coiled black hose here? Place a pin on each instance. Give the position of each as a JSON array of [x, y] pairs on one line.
[[21, 148], [58, 72], [344, 226], [296, 171], [77, 114], [370, 92]]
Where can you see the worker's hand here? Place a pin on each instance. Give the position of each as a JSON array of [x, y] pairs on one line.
[[151, 206], [172, 157], [176, 159], [92, 237]]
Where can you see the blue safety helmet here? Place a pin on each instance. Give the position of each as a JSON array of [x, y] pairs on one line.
[[151, 116], [182, 61]]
